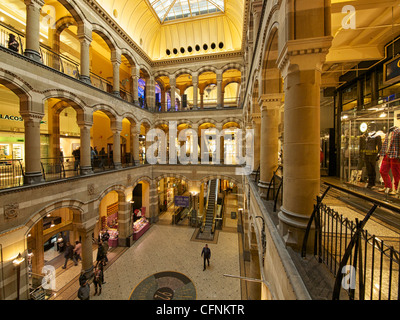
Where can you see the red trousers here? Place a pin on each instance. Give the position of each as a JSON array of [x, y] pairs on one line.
[[387, 165]]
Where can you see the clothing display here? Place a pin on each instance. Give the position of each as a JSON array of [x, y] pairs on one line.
[[390, 162], [372, 147]]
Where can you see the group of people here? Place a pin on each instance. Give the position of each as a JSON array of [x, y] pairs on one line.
[[101, 261], [97, 157], [98, 273]]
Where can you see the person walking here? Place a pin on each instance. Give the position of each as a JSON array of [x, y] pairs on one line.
[[77, 252], [98, 278], [206, 253], [101, 254], [69, 252], [84, 290]]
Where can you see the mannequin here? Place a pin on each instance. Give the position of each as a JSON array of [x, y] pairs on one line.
[[390, 152], [373, 145]]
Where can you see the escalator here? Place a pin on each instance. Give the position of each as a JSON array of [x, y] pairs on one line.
[[207, 226]]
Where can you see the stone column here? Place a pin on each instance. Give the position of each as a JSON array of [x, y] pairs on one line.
[[172, 84], [32, 43], [269, 147], [85, 234], [124, 223], [220, 136], [153, 202], [135, 132], [195, 80], [116, 62], [85, 152], [201, 99], [300, 63], [33, 168], [150, 94], [85, 39], [116, 128], [257, 140], [219, 90], [135, 83]]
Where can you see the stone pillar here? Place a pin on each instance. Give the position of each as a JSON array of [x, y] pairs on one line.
[[201, 99], [150, 93], [135, 132], [201, 200], [85, 152], [33, 168], [116, 128], [153, 202], [257, 140], [219, 90], [269, 147], [32, 43], [85, 39], [172, 84], [85, 234], [163, 101], [124, 223], [220, 136], [135, 83], [195, 81], [300, 63], [116, 62]]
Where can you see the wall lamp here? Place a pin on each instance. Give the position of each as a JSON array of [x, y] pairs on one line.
[[17, 264]]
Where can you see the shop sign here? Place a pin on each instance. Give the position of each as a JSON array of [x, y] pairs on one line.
[[392, 71], [14, 118], [10, 117], [182, 201]]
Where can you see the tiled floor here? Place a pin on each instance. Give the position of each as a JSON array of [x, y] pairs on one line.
[[167, 247]]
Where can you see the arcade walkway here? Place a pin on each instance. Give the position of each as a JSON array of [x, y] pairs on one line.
[[166, 247]]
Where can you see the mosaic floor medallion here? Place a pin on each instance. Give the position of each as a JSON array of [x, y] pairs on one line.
[[167, 285]]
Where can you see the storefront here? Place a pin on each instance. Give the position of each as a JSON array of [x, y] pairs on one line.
[[370, 133]]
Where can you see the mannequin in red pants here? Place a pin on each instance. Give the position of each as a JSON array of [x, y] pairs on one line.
[[391, 153]]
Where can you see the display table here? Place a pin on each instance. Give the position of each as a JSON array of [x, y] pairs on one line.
[[112, 243], [144, 226]]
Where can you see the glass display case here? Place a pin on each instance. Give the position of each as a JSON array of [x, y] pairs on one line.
[[363, 146]]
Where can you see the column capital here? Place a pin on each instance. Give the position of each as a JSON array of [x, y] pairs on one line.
[[304, 54], [84, 124], [116, 55], [116, 125], [31, 116], [36, 3], [172, 81]]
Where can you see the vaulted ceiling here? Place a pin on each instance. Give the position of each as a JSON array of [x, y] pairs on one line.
[[167, 29]]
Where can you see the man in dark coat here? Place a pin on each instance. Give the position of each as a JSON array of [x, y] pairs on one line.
[[206, 253], [69, 253]]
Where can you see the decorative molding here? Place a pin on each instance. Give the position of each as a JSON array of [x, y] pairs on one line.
[[90, 189], [11, 210]]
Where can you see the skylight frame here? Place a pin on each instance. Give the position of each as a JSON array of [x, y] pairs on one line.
[[177, 10]]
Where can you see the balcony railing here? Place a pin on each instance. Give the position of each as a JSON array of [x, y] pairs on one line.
[[11, 173]]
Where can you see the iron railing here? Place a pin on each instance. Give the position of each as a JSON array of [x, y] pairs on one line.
[[276, 186], [364, 266], [11, 173]]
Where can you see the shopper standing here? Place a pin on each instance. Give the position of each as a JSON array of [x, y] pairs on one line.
[[77, 252], [206, 253], [98, 278], [84, 290], [69, 252]]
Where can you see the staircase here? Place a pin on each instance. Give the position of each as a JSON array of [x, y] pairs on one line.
[[212, 202]]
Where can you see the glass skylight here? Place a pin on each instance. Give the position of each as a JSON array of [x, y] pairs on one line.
[[168, 10]]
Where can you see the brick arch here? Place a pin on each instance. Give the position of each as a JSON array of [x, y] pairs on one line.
[[18, 86], [74, 10], [130, 56], [142, 178], [108, 110], [119, 188], [105, 35], [77, 206], [65, 96], [207, 69], [233, 66], [131, 117], [183, 71]]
